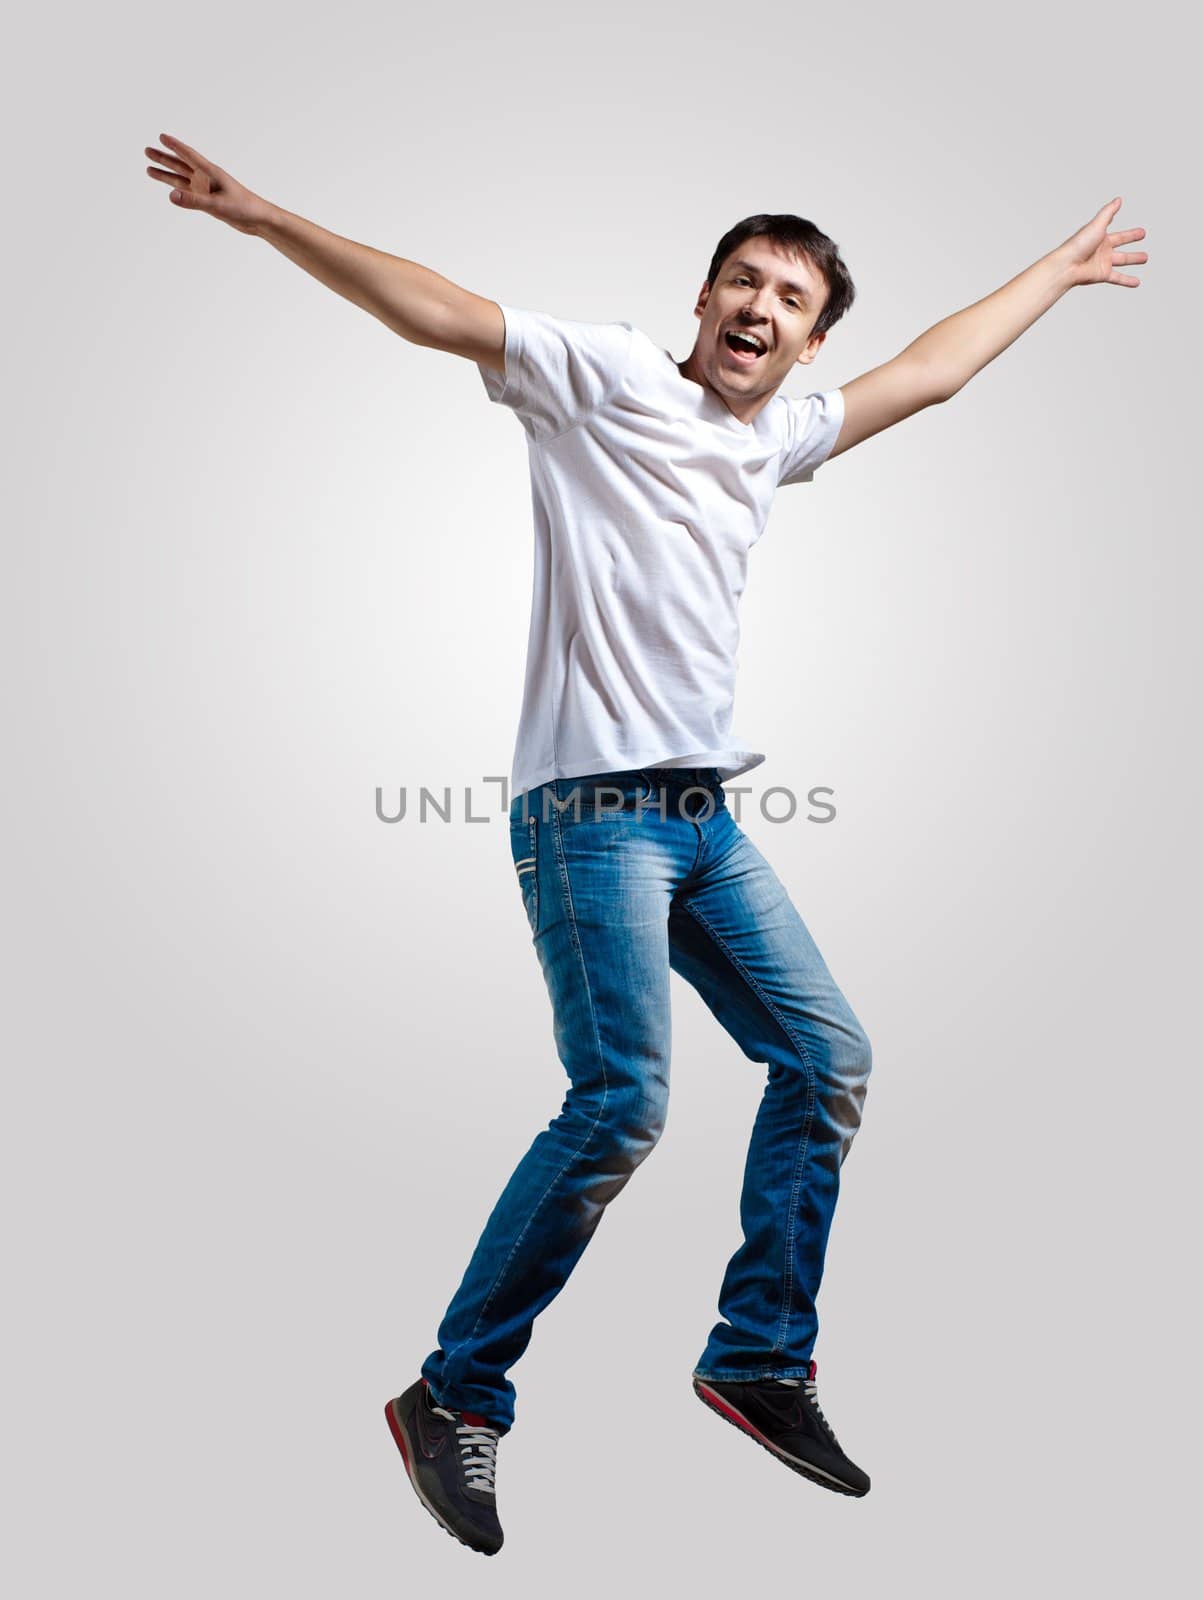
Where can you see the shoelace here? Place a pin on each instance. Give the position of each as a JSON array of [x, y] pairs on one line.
[[479, 1468], [810, 1390]]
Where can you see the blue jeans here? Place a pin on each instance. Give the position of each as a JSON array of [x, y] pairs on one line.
[[639, 873]]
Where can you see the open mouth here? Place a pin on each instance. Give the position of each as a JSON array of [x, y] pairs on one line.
[[745, 347]]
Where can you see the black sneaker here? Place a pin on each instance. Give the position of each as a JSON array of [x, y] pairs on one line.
[[783, 1415], [451, 1459]]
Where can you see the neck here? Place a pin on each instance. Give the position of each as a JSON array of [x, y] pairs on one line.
[[746, 408]]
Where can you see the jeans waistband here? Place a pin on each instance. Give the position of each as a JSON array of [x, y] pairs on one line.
[[687, 777]]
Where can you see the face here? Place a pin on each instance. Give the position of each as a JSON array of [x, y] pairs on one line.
[[774, 298]]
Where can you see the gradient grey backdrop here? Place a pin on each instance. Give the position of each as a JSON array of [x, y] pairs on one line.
[[272, 1061]]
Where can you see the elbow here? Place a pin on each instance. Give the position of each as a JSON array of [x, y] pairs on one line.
[[945, 385], [930, 384]]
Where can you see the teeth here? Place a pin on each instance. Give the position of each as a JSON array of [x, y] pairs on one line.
[[739, 333]]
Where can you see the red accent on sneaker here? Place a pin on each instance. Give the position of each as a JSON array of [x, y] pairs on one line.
[[814, 1367], [730, 1412], [398, 1437]]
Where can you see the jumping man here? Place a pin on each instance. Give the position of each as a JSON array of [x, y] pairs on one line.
[[651, 480]]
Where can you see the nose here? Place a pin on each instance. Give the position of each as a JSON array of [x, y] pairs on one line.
[[756, 309]]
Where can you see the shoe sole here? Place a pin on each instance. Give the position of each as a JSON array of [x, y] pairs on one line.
[[729, 1414], [397, 1429]]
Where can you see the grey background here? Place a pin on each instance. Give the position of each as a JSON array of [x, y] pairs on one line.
[[270, 1061]]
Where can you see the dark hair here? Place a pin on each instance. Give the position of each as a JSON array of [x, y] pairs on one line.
[[800, 237]]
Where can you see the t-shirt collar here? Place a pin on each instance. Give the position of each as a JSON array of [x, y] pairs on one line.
[[713, 405]]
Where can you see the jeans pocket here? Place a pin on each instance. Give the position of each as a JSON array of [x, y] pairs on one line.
[[524, 844]]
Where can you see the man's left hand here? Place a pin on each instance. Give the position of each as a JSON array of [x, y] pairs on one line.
[[1092, 254]]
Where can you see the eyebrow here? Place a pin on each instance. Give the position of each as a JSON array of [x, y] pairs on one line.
[[796, 288]]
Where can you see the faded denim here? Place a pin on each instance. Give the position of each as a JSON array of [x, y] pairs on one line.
[[639, 873]]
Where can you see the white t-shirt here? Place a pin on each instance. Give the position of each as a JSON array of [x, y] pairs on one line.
[[647, 495]]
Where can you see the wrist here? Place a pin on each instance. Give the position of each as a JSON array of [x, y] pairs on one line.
[[1062, 268], [267, 220]]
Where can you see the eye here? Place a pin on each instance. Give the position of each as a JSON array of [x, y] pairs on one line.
[[793, 303]]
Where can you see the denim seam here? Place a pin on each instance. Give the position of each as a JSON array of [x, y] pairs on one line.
[[533, 836], [807, 1121], [573, 1155]]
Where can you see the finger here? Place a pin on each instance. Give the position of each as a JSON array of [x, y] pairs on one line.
[[167, 159], [1127, 236], [1121, 278], [189, 201], [174, 178], [1129, 258], [188, 152]]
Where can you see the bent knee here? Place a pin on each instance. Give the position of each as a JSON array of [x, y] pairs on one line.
[[637, 1124], [849, 1066], [850, 1055], [861, 1063], [624, 1124]]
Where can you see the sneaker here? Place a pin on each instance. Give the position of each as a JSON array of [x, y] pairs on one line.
[[451, 1459], [783, 1415]]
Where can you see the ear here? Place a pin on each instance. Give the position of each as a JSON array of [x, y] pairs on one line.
[[813, 345], [703, 296]]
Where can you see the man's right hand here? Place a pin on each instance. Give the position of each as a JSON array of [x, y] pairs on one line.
[[420, 305], [201, 185]]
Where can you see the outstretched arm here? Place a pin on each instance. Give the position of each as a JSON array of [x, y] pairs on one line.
[[413, 301], [941, 361]]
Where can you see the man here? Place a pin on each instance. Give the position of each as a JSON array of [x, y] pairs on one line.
[[651, 480]]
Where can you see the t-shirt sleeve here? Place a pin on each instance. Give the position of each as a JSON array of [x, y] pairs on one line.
[[812, 428], [557, 372]]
